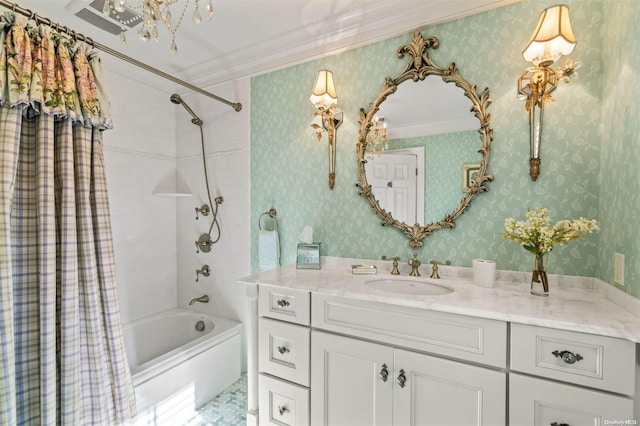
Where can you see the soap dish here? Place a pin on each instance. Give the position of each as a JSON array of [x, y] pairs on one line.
[[364, 269]]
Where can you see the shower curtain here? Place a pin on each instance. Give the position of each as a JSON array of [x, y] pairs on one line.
[[62, 358]]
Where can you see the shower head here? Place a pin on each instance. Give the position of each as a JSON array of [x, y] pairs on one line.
[[176, 99]]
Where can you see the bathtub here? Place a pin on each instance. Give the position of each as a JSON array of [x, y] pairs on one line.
[[176, 368]]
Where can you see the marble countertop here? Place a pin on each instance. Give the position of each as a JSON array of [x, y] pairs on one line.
[[575, 303]]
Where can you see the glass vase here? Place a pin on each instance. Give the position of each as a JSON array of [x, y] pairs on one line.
[[539, 279]]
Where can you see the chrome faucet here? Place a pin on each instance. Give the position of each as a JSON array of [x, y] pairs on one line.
[[201, 299]]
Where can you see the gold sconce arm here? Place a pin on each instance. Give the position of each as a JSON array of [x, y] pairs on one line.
[[536, 85], [331, 119], [324, 98], [552, 38]]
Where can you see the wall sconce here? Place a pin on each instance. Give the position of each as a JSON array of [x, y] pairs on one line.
[[551, 39], [324, 98]]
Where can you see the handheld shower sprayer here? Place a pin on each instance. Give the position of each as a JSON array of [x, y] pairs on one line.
[[205, 241], [176, 99]]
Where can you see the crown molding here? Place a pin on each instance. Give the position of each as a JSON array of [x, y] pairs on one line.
[[355, 28]]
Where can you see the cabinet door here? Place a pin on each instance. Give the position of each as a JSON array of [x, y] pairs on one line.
[[540, 402], [349, 385], [439, 392]]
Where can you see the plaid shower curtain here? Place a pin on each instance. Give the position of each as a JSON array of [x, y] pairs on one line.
[[62, 358]]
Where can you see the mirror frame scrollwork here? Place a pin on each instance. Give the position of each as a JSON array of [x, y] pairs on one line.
[[419, 67]]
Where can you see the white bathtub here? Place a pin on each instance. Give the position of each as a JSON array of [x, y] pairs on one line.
[[175, 368]]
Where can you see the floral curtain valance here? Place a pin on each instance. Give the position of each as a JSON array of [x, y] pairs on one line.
[[49, 72]]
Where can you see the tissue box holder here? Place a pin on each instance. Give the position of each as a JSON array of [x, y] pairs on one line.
[[308, 256]]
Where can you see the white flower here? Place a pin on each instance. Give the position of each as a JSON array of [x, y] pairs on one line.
[[538, 236]]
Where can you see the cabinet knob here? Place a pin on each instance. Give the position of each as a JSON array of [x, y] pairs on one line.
[[282, 409], [283, 350], [401, 379], [282, 303], [384, 373], [558, 424], [568, 357]]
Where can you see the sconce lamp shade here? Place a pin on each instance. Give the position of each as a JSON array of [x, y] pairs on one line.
[[324, 91], [552, 37]]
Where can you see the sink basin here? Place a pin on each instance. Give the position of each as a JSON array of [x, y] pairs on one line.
[[404, 286]]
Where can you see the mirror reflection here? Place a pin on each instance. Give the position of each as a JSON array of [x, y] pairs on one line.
[[423, 147], [432, 134]]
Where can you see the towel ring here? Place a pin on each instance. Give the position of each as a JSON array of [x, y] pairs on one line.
[[272, 214]]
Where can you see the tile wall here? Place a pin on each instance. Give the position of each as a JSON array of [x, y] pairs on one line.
[[226, 137], [154, 236], [139, 153]]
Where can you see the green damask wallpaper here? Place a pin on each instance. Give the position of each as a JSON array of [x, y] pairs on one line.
[[589, 149], [619, 179]]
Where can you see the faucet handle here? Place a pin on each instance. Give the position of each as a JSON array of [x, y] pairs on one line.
[[205, 271], [394, 269], [204, 210], [434, 268], [204, 243]]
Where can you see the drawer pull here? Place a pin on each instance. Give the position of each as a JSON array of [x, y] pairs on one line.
[[384, 373], [558, 424], [282, 409], [401, 379], [568, 357], [282, 303], [283, 350]]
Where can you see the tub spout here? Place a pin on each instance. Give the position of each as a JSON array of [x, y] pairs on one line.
[[201, 299]]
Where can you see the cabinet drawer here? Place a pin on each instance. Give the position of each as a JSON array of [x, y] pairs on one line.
[[474, 339], [539, 402], [286, 304], [282, 403], [284, 350], [585, 359]]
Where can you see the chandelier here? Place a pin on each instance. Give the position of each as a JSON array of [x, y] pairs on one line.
[[150, 12], [377, 138]]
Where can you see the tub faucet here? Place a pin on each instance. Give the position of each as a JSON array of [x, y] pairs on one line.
[[201, 299]]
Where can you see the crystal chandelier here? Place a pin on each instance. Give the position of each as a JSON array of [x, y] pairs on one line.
[[150, 12], [377, 138]]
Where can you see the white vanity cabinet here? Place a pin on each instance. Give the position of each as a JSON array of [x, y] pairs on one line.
[[352, 381], [595, 363], [330, 360], [359, 382], [355, 382], [283, 356]]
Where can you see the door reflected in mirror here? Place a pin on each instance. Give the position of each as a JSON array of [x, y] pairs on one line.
[[397, 182]]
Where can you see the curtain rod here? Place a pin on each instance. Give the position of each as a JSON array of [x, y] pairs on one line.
[[26, 12]]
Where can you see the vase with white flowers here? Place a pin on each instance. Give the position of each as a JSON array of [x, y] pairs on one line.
[[538, 235]]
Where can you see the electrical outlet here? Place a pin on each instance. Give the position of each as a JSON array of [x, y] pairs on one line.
[[618, 268]]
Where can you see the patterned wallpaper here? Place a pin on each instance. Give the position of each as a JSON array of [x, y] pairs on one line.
[[620, 154], [289, 167]]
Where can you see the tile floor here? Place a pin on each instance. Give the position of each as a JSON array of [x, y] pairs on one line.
[[227, 409]]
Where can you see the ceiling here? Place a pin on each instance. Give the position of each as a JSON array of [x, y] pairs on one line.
[[249, 37]]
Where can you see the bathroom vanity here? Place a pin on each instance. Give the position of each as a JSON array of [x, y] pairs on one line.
[[330, 348]]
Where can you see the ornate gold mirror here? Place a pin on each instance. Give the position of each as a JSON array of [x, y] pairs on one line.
[[419, 160]]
